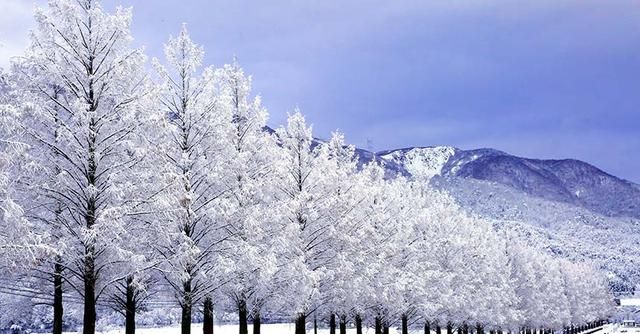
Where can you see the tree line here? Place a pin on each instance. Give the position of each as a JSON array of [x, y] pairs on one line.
[[118, 179]]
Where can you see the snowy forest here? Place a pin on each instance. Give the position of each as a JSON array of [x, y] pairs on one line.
[[139, 191]]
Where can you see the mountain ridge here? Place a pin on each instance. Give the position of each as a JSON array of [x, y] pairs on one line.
[[567, 180]]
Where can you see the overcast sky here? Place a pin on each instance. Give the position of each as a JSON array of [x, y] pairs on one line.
[[540, 79]]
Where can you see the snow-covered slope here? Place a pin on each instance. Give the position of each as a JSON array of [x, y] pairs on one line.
[[423, 162]]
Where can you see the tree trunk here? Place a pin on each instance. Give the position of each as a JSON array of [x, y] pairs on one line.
[[242, 317], [479, 329], [315, 325], [57, 297], [89, 275], [130, 308], [187, 304], [256, 322], [301, 323], [332, 323], [449, 328], [358, 321], [378, 325], [343, 324], [427, 328], [207, 321], [405, 324], [89, 317], [385, 329], [438, 329]]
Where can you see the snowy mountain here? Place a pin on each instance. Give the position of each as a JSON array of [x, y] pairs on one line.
[[568, 181]]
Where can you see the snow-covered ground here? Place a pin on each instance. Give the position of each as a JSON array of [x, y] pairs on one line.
[[233, 329], [619, 329]]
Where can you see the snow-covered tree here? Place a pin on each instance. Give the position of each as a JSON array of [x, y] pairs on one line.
[[342, 196], [80, 84], [187, 142], [248, 177], [305, 197]]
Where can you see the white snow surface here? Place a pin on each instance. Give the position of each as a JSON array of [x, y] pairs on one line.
[[618, 329], [629, 301], [233, 329]]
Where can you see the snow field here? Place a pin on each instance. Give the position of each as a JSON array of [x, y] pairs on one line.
[[287, 328]]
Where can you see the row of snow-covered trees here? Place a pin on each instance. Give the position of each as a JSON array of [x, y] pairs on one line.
[[119, 183]]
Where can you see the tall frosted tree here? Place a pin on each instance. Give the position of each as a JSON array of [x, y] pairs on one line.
[[248, 179], [187, 138], [84, 81], [303, 205], [344, 194]]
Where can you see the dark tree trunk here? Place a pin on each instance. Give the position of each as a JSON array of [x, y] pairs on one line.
[[438, 329], [427, 328], [405, 324], [332, 323], [479, 329], [449, 328], [89, 275], [343, 325], [315, 325], [465, 329], [378, 325], [256, 322], [89, 318], [301, 323], [242, 317], [58, 268], [358, 321], [187, 305], [57, 297], [130, 308], [207, 311], [385, 328]]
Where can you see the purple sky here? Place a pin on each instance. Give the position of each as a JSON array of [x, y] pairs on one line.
[[541, 79]]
